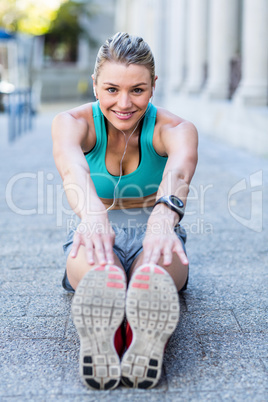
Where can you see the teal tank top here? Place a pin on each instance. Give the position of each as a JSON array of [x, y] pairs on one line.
[[144, 180]]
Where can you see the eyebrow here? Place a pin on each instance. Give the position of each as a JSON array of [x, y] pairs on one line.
[[136, 85]]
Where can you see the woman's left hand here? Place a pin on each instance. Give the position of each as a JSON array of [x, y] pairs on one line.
[[161, 241]]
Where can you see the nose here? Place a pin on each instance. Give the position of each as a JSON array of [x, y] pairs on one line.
[[124, 101]]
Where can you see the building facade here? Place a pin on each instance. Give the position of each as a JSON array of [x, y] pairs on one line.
[[212, 62]]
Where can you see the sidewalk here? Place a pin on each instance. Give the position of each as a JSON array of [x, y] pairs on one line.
[[219, 349]]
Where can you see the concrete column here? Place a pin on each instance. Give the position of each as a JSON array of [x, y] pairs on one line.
[[175, 44], [159, 48], [121, 16], [146, 18], [223, 45], [253, 88], [134, 16], [196, 45]]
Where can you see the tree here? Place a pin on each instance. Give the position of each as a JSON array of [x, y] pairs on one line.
[[65, 30], [28, 16]]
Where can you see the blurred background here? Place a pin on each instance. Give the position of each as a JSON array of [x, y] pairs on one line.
[[211, 59]]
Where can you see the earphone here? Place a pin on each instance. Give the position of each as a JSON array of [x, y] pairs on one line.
[[121, 162], [94, 92]]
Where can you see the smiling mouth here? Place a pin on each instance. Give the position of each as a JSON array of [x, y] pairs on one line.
[[123, 114]]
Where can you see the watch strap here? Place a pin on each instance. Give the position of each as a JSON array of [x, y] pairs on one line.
[[168, 202]]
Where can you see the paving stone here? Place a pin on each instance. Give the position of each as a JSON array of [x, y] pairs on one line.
[[33, 262], [16, 306], [88, 396], [265, 362], [183, 344], [221, 292], [209, 321], [71, 332], [252, 320], [235, 345], [192, 396], [53, 352], [58, 305], [217, 375], [138, 395], [247, 395], [23, 380], [36, 274], [30, 288], [30, 365], [32, 327]]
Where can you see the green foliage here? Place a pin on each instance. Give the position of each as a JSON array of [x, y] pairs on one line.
[[67, 25], [65, 30], [28, 16]]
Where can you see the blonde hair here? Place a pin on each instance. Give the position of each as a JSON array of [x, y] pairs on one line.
[[126, 49]]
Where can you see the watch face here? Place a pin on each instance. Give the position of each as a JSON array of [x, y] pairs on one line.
[[176, 201]]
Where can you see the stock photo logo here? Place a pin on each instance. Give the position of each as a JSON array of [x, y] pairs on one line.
[[244, 200], [252, 194]]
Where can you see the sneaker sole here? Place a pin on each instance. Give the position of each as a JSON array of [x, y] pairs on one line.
[[98, 310], [152, 310]]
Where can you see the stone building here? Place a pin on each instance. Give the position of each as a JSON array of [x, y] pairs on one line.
[[212, 62]]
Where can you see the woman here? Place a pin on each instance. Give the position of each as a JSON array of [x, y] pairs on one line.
[[126, 167]]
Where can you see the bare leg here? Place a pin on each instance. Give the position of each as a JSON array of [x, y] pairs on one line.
[[78, 267]]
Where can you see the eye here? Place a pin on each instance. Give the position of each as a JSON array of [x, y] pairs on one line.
[[111, 90], [138, 90]]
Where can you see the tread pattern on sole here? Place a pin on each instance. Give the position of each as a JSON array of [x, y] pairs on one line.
[[152, 310], [98, 310]]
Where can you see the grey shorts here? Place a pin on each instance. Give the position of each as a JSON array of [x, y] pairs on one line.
[[127, 247]]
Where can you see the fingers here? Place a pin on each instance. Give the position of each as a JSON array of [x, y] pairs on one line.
[[151, 254], [167, 255], [108, 249], [154, 249], [75, 246], [181, 254], [99, 248]]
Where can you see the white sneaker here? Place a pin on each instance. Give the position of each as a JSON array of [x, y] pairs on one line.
[[98, 309], [152, 310]]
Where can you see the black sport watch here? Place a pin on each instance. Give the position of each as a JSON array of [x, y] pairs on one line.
[[174, 203]]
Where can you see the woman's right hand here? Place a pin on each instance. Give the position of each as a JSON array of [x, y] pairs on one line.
[[96, 234]]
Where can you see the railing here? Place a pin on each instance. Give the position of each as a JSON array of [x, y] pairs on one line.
[[18, 105]]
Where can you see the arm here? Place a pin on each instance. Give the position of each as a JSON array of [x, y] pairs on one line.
[[69, 133], [180, 144]]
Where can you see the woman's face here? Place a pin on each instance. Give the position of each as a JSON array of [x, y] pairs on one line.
[[123, 92]]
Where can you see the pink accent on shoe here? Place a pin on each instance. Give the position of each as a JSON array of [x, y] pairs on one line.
[[158, 271], [115, 276], [140, 285], [142, 277], [113, 269], [145, 269], [115, 285], [99, 269]]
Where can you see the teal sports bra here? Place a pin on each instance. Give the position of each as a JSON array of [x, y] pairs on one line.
[[144, 180]]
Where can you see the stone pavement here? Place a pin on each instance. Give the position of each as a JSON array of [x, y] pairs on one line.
[[219, 349]]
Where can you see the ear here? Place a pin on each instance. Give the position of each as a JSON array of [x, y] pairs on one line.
[[94, 86], [153, 88]]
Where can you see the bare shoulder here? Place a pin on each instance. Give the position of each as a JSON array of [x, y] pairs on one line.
[[75, 126], [173, 133]]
